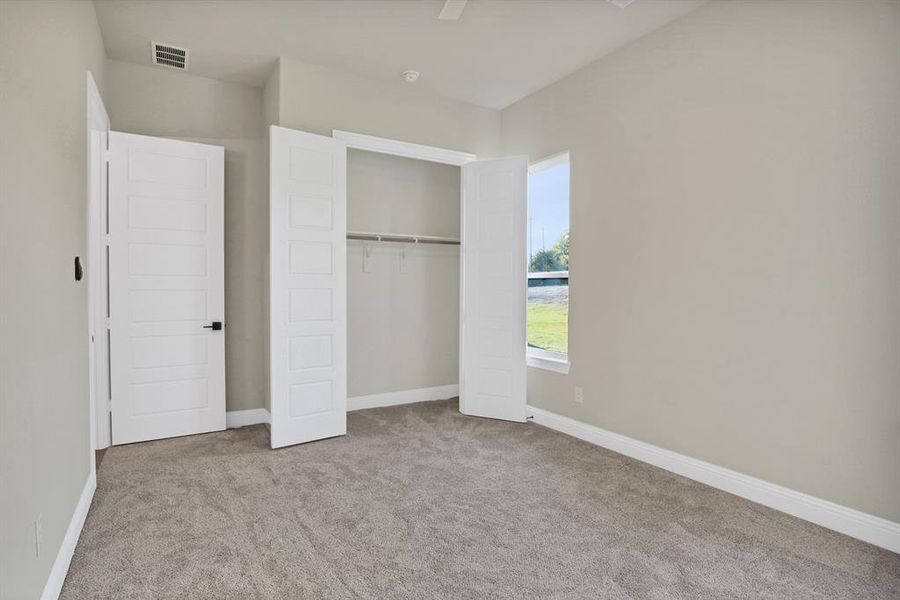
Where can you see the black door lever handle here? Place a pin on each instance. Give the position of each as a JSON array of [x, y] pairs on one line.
[[216, 326]]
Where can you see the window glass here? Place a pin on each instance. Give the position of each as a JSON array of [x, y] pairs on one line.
[[548, 257]]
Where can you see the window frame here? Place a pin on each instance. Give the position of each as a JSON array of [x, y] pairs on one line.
[[549, 360]]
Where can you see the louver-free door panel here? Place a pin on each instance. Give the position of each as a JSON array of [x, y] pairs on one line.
[[166, 286], [308, 286], [493, 289]]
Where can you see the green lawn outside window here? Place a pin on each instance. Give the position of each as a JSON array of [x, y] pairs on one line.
[[548, 326]]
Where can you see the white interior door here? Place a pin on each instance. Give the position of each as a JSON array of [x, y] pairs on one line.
[[493, 289], [166, 286], [308, 286], [97, 279]]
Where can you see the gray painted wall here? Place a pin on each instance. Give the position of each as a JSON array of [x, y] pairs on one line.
[[318, 99], [45, 51], [735, 267], [164, 103], [271, 105]]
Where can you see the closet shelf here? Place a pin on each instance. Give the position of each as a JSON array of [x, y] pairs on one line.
[[400, 237]]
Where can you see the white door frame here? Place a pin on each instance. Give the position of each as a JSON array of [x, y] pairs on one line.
[[371, 143], [95, 263], [452, 157]]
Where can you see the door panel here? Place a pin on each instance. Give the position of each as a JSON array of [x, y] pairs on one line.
[[493, 290], [166, 252], [308, 286]]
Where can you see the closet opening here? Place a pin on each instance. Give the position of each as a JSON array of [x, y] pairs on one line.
[[403, 274]]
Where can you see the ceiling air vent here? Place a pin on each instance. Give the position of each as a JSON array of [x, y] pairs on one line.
[[169, 56]]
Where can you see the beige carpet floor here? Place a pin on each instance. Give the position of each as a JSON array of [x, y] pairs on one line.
[[420, 502]]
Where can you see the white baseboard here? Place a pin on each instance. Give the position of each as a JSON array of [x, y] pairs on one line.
[[854, 523], [242, 418], [61, 565], [441, 392], [255, 416]]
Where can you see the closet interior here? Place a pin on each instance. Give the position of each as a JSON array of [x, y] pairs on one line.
[[403, 231]]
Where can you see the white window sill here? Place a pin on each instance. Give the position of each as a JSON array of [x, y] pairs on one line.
[[557, 365]]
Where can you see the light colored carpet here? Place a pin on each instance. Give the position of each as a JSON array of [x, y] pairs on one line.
[[419, 501]]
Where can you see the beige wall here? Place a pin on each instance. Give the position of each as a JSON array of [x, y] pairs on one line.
[[735, 291], [165, 103], [45, 51], [271, 96], [271, 115], [319, 99], [403, 327]]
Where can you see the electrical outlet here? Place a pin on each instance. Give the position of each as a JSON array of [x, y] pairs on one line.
[[579, 394], [38, 535]]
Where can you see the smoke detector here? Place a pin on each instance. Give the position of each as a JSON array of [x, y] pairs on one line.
[[620, 3], [410, 76], [170, 56]]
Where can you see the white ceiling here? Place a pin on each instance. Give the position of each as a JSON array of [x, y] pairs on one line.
[[498, 52]]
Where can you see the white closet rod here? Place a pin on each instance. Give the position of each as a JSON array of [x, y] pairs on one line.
[[399, 237]]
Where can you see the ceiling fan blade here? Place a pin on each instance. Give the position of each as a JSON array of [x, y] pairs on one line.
[[452, 10]]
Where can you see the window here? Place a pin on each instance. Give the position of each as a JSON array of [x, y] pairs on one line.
[[548, 263]]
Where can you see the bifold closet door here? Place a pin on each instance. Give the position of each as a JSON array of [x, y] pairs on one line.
[[308, 286], [166, 287], [493, 289]]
